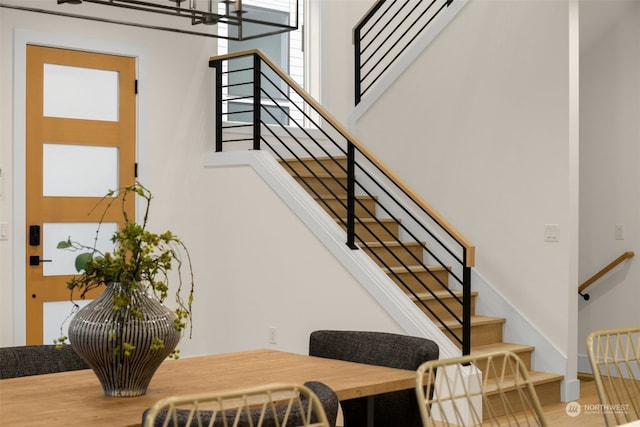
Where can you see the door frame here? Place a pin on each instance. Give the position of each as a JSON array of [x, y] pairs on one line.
[[21, 39]]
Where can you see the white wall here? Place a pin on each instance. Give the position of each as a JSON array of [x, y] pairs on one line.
[[500, 116], [339, 17], [250, 274], [260, 267], [479, 125], [609, 174]]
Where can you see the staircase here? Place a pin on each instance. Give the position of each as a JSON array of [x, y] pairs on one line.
[[486, 332], [373, 222]]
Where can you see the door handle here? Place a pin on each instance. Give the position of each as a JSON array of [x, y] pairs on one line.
[[35, 260]]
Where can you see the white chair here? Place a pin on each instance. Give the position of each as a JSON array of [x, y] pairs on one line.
[[615, 359], [492, 388], [277, 405]]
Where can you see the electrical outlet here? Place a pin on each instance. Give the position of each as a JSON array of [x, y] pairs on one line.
[[4, 231], [272, 336], [619, 231]]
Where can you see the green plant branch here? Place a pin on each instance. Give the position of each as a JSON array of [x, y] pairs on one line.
[[141, 260]]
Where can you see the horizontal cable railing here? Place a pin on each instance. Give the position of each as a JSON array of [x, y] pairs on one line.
[[386, 31], [341, 174], [613, 264]]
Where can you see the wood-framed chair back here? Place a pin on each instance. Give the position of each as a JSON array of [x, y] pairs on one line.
[[276, 405], [615, 359], [493, 388]]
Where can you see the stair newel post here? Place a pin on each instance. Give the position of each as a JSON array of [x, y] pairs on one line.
[[218, 67], [257, 79], [351, 195], [466, 308]]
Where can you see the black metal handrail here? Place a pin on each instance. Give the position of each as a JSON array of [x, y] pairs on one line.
[[384, 33], [337, 166]]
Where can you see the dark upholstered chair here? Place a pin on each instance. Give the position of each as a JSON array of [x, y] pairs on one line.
[[382, 349], [29, 360], [180, 417]]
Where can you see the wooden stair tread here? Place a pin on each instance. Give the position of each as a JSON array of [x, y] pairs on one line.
[[320, 175], [342, 197], [373, 220], [501, 346], [312, 159], [477, 321], [422, 296], [537, 378], [388, 244], [414, 268]]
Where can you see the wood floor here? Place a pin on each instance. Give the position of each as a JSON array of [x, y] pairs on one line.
[[556, 413]]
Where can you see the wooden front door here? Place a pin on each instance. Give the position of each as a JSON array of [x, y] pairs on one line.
[[80, 143]]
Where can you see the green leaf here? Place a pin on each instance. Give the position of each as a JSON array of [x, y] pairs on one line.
[[64, 244], [82, 260]]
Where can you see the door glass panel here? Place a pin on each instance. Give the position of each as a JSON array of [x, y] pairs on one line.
[[63, 261], [79, 170], [56, 317], [80, 93]]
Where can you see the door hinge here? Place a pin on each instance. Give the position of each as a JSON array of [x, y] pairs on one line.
[[135, 170], [136, 86]]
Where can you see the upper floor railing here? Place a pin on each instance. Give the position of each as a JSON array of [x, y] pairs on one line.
[[260, 106], [385, 32]]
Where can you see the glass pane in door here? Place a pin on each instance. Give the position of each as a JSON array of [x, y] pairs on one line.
[[80, 93], [56, 317], [62, 261], [79, 170]]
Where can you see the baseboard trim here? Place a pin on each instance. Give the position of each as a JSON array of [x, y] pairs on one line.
[[570, 390], [584, 364], [519, 329]]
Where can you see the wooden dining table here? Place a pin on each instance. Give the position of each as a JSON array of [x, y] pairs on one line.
[[76, 399]]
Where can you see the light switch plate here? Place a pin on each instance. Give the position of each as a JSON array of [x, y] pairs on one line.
[[551, 233]]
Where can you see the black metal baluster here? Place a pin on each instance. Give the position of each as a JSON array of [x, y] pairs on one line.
[[466, 306], [351, 196], [257, 77], [356, 43], [218, 66]]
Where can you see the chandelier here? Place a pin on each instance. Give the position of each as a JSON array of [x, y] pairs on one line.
[[232, 19]]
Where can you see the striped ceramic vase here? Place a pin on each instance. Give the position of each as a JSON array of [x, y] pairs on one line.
[[121, 347]]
